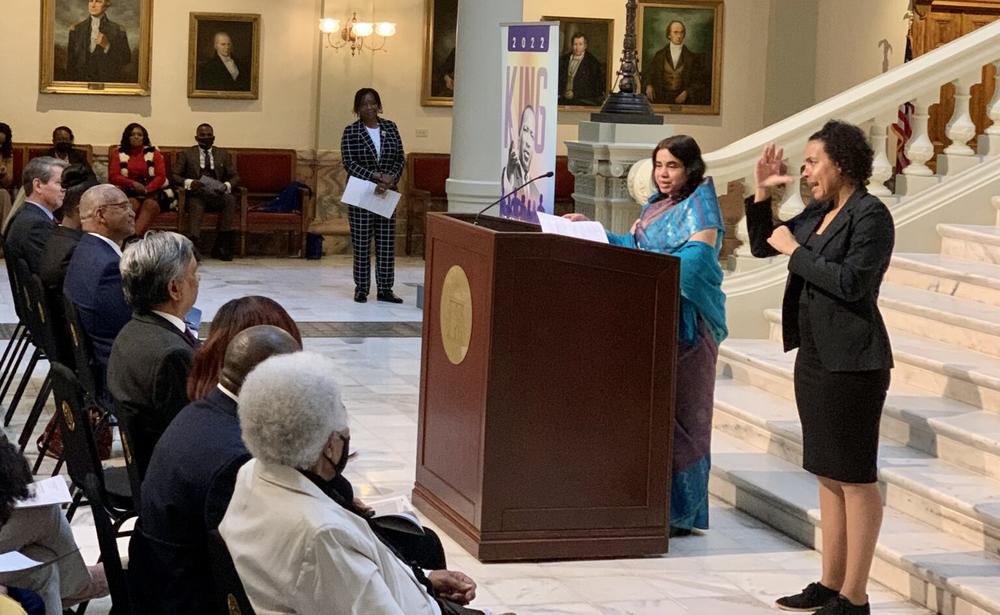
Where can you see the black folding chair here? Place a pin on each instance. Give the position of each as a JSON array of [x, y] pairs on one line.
[[21, 339], [229, 593], [35, 318], [107, 490]]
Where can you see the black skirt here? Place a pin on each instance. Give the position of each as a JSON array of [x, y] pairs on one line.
[[839, 412]]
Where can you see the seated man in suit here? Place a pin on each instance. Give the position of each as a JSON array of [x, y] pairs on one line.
[[151, 357], [189, 482], [59, 248], [93, 279], [298, 546], [204, 160], [26, 235]]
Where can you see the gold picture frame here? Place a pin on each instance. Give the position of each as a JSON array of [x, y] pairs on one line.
[[598, 37], [73, 61], [694, 86], [440, 29], [212, 37]]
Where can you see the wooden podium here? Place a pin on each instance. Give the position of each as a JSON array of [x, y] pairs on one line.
[[546, 392]]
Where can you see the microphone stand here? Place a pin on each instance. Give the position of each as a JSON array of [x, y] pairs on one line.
[[475, 221]]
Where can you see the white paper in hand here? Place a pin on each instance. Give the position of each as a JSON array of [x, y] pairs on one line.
[[14, 561], [46, 493], [361, 193], [591, 231]]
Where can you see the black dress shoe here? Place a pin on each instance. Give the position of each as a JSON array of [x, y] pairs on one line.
[[360, 296], [389, 297]]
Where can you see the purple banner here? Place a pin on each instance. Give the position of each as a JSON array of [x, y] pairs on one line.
[[528, 38]]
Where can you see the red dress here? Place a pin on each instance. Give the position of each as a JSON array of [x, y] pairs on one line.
[[138, 171]]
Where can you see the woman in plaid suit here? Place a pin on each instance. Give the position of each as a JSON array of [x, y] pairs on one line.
[[373, 151]]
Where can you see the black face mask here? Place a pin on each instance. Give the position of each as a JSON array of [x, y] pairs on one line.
[[206, 142], [342, 463], [64, 147]]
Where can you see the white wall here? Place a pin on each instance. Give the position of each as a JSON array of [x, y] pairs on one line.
[[847, 41], [283, 116]]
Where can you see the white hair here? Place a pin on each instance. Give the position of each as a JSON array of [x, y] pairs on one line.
[[289, 406]]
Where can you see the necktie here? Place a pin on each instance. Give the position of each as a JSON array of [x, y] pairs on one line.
[[192, 338], [208, 160]]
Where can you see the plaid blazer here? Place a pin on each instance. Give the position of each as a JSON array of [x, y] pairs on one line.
[[358, 151]]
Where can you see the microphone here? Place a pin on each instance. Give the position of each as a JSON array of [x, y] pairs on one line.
[[475, 221]]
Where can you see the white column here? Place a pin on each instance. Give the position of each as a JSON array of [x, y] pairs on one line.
[[475, 136], [917, 176], [989, 143], [958, 156], [881, 166]]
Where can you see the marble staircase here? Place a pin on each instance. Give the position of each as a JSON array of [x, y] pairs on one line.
[[939, 455]]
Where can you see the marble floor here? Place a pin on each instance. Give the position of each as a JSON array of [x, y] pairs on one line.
[[739, 567]]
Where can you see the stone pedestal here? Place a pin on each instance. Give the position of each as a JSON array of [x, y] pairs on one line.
[[988, 144], [951, 164], [600, 161], [908, 185]]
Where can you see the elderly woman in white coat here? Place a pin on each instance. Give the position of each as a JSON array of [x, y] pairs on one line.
[[297, 548]]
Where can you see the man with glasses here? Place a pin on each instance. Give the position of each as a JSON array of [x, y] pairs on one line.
[[93, 280], [29, 229]]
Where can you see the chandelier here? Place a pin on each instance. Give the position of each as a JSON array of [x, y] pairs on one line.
[[356, 34]]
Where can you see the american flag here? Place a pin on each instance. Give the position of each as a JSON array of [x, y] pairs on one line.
[[902, 126]]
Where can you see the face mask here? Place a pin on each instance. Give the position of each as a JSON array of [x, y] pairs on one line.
[[64, 147], [342, 463], [206, 142]]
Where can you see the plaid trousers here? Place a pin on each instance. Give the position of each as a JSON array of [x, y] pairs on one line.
[[364, 224]]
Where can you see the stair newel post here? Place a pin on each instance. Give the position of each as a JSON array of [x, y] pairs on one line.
[[881, 167], [920, 149], [961, 129]]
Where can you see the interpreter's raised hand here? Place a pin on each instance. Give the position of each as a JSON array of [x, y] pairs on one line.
[[453, 586], [770, 169], [782, 240], [576, 217]]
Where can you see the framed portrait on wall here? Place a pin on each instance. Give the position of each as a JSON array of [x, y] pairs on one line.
[[680, 54], [440, 29], [96, 47], [585, 53], [224, 55]]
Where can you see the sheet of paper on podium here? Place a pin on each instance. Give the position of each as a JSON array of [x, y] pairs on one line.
[[361, 193], [591, 231]]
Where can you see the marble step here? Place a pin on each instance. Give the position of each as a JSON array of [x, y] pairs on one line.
[[955, 432], [945, 496], [967, 324], [964, 279], [938, 367], [925, 564], [970, 242]]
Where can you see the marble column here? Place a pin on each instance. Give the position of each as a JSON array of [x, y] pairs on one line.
[[475, 135]]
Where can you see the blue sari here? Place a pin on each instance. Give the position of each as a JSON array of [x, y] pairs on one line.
[[666, 226]]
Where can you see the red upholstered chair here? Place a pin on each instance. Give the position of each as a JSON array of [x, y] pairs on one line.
[[565, 184], [426, 175], [264, 173]]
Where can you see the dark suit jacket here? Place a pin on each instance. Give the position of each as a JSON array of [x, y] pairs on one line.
[[187, 488], [841, 275], [76, 156], [147, 376], [27, 234], [187, 165], [213, 75], [94, 285], [52, 270], [589, 83], [358, 151], [81, 65], [694, 79]]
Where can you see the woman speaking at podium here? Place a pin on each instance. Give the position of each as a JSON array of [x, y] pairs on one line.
[[683, 219], [839, 248]]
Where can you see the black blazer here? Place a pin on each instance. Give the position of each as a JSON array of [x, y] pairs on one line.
[[841, 274], [27, 235], [147, 376], [187, 489], [358, 151]]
